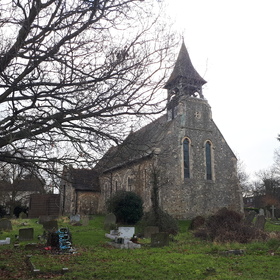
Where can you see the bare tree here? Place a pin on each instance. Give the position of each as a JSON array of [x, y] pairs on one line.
[[73, 73], [276, 165], [244, 178], [267, 188]]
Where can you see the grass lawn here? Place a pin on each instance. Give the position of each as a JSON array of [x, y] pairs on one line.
[[185, 257]]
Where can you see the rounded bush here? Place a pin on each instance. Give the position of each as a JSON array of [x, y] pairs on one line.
[[127, 206]]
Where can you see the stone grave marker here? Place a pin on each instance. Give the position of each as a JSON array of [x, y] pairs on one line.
[[260, 222], [249, 218], [43, 219], [26, 234], [5, 241], [50, 225], [126, 232], [75, 218], [31, 246], [197, 222], [85, 221], [160, 239], [110, 221], [273, 208], [261, 212], [22, 215], [5, 225], [149, 230]]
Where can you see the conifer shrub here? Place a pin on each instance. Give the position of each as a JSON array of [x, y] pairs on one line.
[[127, 206], [227, 226]]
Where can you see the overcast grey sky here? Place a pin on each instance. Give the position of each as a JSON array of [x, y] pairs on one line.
[[235, 46]]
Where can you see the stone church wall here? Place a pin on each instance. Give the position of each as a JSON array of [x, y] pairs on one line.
[[87, 203], [186, 198], [180, 197], [136, 178]]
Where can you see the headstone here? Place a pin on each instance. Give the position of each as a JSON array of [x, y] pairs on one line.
[[160, 239], [197, 222], [261, 212], [5, 241], [5, 225], [149, 230], [26, 234], [113, 235], [31, 246], [85, 221], [233, 252], [75, 218], [50, 225], [22, 215], [110, 221], [273, 208], [260, 222], [126, 232], [267, 214], [43, 219], [249, 218]]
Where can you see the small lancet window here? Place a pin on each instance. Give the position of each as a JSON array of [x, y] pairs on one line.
[[186, 150], [208, 158], [129, 184]]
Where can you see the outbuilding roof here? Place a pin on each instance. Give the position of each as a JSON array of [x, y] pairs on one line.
[[84, 179]]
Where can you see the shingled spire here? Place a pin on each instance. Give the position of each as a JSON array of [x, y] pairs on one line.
[[184, 79]]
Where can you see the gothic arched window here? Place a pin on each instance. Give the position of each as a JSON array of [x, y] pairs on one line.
[[208, 160], [186, 154]]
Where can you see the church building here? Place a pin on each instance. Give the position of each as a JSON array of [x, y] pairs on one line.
[[183, 149]]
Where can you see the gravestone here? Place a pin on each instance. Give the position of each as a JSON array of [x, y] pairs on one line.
[[85, 220], [261, 212], [26, 234], [160, 239], [110, 221], [273, 208], [267, 214], [22, 215], [75, 218], [149, 230], [43, 219], [5, 241], [249, 218], [197, 222], [126, 232], [50, 225], [5, 225], [31, 246], [260, 222]]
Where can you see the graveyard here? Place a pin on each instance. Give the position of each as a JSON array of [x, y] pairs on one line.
[[85, 251]]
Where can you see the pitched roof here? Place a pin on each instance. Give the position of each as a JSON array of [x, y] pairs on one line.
[[23, 185], [184, 69], [84, 179], [137, 146]]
